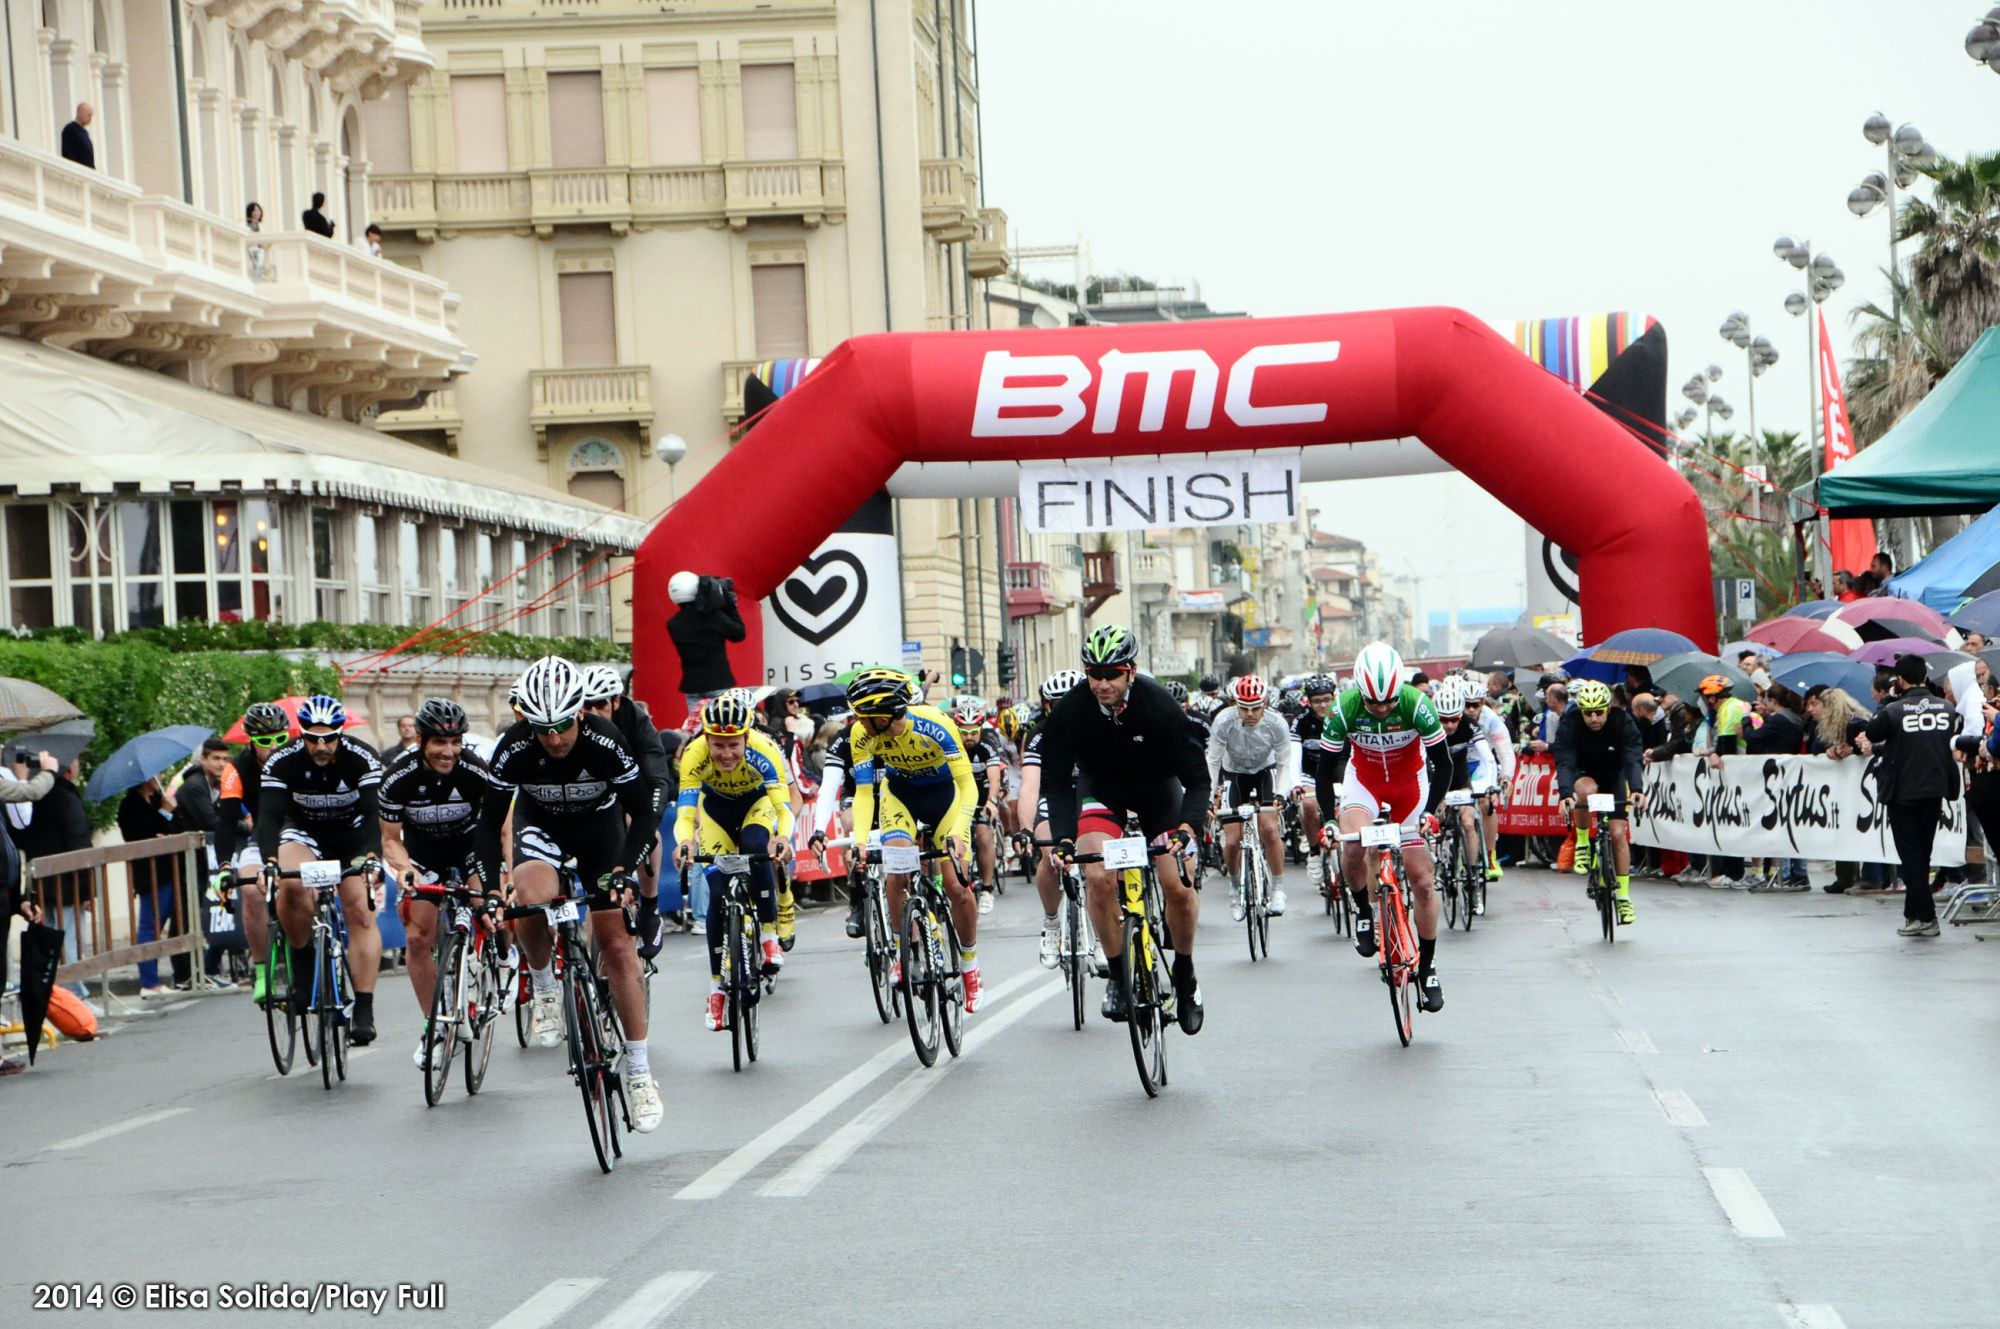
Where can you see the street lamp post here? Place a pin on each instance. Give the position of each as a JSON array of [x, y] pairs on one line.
[[1696, 391], [1823, 278], [1759, 353], [1908, 153], [1983, 42]]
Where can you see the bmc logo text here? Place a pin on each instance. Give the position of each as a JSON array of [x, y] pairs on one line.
[[1016, 398]]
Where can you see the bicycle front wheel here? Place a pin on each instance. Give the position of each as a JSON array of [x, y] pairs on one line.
[[483, 1017], [750, 1002], [1607, 893], [441, 1029], [879, 951], [1144, 1021], [1075, 957], [951, 990], [1399, 967], [737, 976], [279, 1023], [586, 1062], [920, 981]]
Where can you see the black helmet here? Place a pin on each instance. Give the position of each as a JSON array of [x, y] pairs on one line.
[[1109, 645], [441, 717], [266, 718], [1210, 683]]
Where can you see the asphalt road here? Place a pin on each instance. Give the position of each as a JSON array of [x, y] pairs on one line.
[[1751, 1111]]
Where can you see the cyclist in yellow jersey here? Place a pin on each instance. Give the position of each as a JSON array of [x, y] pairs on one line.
[[911, 775], [735, 779]]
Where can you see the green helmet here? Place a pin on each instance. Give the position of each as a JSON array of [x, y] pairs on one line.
[[1109, 645]]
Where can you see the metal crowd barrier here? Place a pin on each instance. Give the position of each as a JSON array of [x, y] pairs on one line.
[[57, 881]]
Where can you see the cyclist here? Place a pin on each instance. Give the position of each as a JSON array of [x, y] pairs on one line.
[[836, 800], [1598, 750], [1399, 770], [1493, 770], [317, 801], [734, 777], [1033, 810], [1465, 746], [431, 800], [1119, 746], [968, 713], [268, 729], [604, 695], [578, 794], [1318, 691], [912, 776], [1248, 749]]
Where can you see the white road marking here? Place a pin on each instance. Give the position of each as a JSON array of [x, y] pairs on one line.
[[655, 1301], [1680, 1109], [1814, 1316], [1637, 1042], [818, 1163], [1742, 1202], [548, 1305], [118, 1128], [718, 1179]]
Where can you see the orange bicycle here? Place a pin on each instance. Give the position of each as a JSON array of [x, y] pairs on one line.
[[1393, 928]]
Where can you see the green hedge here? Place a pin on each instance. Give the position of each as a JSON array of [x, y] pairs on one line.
[[344, 637]]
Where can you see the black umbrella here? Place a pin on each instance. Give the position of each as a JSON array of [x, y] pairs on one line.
[[1519, 648], [41, 956], [1882, 629]]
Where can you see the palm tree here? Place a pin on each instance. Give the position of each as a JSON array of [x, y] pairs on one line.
[[1957, 266], [1899, 358], [1749, 534]]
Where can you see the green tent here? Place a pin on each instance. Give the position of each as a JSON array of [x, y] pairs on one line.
[[1944, 456]]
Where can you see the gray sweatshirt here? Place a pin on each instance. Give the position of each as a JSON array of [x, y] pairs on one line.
[[1245, 750]]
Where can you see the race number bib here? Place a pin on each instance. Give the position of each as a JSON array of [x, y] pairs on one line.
[[901, 858], [1380, 835], [563, 913], [733, 865], [1129, 852], [319, 873], [1458, 798], [1602, 803]]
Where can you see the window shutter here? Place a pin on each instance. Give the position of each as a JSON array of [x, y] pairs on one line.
[[387, 122], [576, 119], [770, 113], [589, 337], [479, 123], [673, 116], [778, 305]]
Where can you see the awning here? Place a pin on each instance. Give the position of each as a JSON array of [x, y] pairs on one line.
[[1944, 456], [69, 421]]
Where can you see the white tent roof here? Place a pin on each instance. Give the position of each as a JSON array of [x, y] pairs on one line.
[[68, 421]]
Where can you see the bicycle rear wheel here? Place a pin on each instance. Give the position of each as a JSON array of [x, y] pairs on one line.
[[736, 977], [920, 981], [278, 1014], [1075, 956], [586, 1061], [485, 1014], [750, 993], [880, 949], [1604, 874], [441, 1028], [1142, 1008], [1448, 880], [951, 991]]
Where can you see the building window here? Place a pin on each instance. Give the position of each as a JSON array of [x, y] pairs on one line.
[[594, 467], [387, 122], [479, 123], [673, 117], [532, 577], [770, 113], [561, 564], [778, 309], [419, 569], [29, 565], [329, 583], [374, 546], [451, 567], [590, 338], [264, 554], [576, 119], [141, 560]]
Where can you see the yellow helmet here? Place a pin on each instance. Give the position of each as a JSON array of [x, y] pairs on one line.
[[1590, 695], [880, 691]]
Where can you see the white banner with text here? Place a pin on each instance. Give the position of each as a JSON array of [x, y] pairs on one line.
[[1781, 807], [1133, 493]]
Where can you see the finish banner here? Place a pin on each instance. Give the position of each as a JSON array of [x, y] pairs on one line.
[[1233, 489], [1781, 807]]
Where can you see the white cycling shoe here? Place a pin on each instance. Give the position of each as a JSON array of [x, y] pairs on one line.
[[546, 1030], [643, 1097], [1051, 942], [1276, 904]]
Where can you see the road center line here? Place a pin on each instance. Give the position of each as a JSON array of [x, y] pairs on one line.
[[1637, 1042], [1812, 1316], [1742, 1202], [655, 1301], [548, 1305], [118, 1128], [725, 1174], [1680, 1109]]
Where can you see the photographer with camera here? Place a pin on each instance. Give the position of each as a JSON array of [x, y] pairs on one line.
[[702, 630]]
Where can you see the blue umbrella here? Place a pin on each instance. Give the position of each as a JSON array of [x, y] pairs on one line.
[[143, 758], [1583, 666], [1981, 615], [1822, 668], [1639, 646]]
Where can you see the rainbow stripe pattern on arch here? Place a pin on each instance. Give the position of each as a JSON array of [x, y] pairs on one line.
[[1580, 348], [781, 376]]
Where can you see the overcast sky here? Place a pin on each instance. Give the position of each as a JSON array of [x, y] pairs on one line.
[[1520, 159]]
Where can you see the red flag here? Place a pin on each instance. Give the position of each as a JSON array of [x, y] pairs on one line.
[[1853, 538]]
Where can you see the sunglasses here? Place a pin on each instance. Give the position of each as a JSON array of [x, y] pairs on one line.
[[1105, 673], [320, 740], [271, 740], [562, 727]]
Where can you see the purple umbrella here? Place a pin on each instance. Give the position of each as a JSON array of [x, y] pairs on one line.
[[1885, 652]]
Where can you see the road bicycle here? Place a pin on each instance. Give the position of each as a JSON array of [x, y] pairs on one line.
[[744, 978], [864, 874], [1149, 986], [1603, 863], [473, 982], [1292, 830], [1461, 873], [1253, 878], [1395, 934], [1076, 947], [1332, 886], [591, 1028], [933, 987], [329, 993]]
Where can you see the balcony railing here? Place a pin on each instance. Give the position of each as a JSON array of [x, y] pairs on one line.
[[1153, 567], [585, 396], [951, 199], [986, 255], [310, 269], [439, 414], [1029, 591], [1100, 578]]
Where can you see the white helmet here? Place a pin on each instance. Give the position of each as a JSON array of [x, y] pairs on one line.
[[1378, 672], [601, 683], [681, 587], [551, 692], [1061, 683], [1449, 696]]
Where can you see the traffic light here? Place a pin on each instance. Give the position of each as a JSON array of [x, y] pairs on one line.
[[1006, 666], [958, 667]]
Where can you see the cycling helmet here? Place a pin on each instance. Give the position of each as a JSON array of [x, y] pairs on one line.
[[969, 712], [322, 712], [601, 683], [551, 692], [1713, 686], [1210, 683], [441, 717], [1590, 695], [726, 716], [1110, 645], [1449, 696], [1061, 683], [1178, 691], [1008, 723], [266, 718], [1378, 672], [880, 691], [1319, 685], [1250, 690], [1205, 705], [1022, 715]]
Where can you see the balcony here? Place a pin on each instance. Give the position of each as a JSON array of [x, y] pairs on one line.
[[1039, 588], [986, 255], [951, 200], [357, 45], [93, 264], [589, 396], [1152, 567], [439, 414], [620, 197], [1100, 579]]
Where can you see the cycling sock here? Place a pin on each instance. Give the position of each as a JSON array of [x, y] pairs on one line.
[[635, 1057], [302, 967], [364, 1005], [1624, 885], [1183, 969], [715, 982], [1048, 920], [1116, 964], [768, 932], [1582, 838], [968, 957], [543, 979], [1362, 904], [1427, 949]]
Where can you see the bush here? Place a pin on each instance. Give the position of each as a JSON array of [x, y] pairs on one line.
[[255, 636]]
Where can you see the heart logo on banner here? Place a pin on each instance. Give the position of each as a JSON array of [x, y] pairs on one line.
[[823, 596]]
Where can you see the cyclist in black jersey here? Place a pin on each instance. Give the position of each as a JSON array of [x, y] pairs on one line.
[[318, 802], [1318, 691], [577, 792], [1033, 811], [433, 796]]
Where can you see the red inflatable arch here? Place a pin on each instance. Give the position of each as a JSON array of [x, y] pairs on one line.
[[1227, 384]]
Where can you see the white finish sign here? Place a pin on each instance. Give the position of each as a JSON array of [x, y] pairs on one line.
[[1132, 494]]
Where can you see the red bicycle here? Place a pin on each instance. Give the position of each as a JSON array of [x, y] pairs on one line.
[[1393, 929]]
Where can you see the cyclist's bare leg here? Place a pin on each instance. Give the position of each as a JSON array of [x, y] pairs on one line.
[[964, 905], [534, 883], [618, 962], [1579, 816], [1418, 868], [1046, 884], [364, 939], [421, 940], [1103, 897], [982, 851], [1274, 847], [295, 902], [1232, 842], [1182, 903], [1353, 855], [1489, 825], [256, 917], [1621, 845], [1309, 819]]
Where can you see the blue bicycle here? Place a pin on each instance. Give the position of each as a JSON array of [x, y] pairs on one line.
[[329, 990]]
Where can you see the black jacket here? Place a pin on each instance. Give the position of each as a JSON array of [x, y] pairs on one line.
[[61, 825], [1782, 733], [702, 636], [1913, 733], [316, 221], [1145, 744], [1581, 750], [76, 145], [141, 818], [635, 722]]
